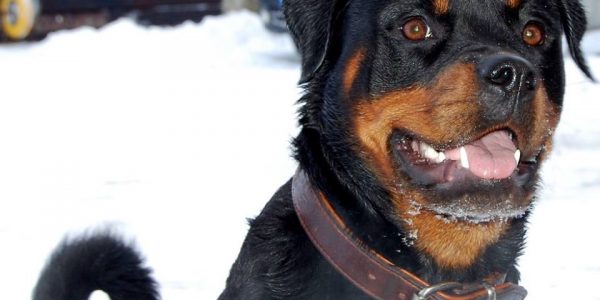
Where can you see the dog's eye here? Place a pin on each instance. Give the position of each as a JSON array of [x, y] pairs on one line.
[[533, 34], [415, 29]]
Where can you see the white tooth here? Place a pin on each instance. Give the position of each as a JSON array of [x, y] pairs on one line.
[[415, 146], [431, 154], [440, 158], [423, 148], [464, 159], [518, 155], [428, 151]]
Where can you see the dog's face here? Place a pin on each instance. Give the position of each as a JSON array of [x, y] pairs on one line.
[[448, 105]]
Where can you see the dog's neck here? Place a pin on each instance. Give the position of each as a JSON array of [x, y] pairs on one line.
[[369, 270], [355, 208], [384, 234]]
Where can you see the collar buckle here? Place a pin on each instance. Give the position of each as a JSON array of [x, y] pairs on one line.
[[430, 290], [444, 286]]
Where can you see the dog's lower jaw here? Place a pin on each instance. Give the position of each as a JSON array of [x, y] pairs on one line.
[[453, 245], [456, 245]]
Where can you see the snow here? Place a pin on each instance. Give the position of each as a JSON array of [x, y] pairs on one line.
[[174, 136]]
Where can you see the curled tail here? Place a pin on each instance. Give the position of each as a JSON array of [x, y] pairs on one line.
[[95, 262]]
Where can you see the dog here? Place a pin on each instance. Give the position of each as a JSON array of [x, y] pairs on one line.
[[424, 124]]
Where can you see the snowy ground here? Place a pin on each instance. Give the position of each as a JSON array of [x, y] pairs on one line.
[[175, 136]]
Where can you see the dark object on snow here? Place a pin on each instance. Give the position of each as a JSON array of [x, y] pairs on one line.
[[96, 262], [402, 99], [271, 11], [33, 19]]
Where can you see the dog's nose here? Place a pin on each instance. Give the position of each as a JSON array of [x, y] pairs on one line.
[[508, 72], [508, 80]]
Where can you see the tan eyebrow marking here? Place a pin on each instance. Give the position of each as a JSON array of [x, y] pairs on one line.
[[441, 6], [513, 3]]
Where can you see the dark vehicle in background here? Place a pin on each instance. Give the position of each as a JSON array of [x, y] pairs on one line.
[[33, 19], [271, 11]]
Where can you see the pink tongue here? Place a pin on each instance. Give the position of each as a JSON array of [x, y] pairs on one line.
[[491, 157]]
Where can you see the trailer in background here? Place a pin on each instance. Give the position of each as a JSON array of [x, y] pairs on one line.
[[33, 19]]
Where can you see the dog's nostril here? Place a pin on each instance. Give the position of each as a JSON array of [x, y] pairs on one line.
[[508, 83], [509, 73], [504, 76], [530, 82]]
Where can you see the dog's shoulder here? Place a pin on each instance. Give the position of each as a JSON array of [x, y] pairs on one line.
[[269, 253], [278, 260]]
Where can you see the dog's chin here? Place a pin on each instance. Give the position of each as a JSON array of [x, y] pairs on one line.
[[453, 192], [474, 211]]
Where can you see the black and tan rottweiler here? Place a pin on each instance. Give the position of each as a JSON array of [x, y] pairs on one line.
[[423, 127]]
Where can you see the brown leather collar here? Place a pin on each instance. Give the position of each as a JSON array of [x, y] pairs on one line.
[[365, 268]]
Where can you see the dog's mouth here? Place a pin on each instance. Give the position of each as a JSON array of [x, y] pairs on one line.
[[491, 157], [483, 179]]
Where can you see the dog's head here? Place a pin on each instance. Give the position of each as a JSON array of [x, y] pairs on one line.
[[437, 112]]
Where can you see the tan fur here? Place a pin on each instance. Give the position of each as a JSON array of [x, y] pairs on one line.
[[441, 6], [455, 245], [452, 244], [437, 113], [547, 116], [445, 111], [513, 3], [352, 70]]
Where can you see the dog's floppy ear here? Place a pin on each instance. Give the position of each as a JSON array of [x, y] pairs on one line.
[[311, 25], [574, 24]]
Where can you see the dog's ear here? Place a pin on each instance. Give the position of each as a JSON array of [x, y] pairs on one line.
[[311, 25], [574, 24]]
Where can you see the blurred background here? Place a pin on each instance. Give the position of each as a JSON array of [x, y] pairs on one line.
[[593, 8], [170, 121], [34, 19]]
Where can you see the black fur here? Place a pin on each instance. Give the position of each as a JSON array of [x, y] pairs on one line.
[[575, 23], [95, 262], [314, 21], [277, 260]]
